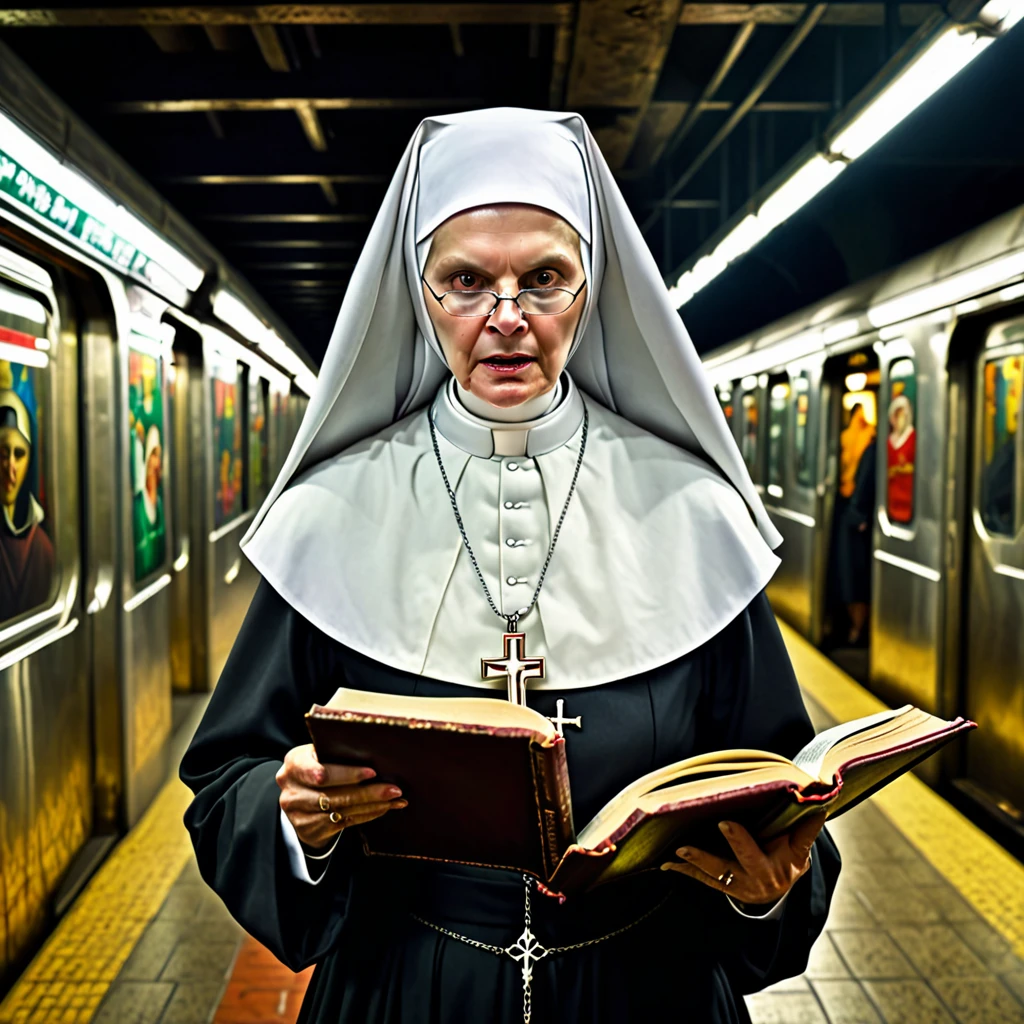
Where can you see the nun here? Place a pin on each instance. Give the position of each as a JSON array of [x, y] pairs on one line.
[[511, 431]]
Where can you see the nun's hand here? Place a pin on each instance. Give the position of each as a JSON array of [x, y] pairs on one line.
[[759, 875], [313, 793]]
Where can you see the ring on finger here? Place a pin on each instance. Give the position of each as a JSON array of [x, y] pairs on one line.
[[325, 803], [335, 817], [726, 878]]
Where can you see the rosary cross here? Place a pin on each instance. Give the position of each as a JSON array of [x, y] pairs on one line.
[[529, 950]]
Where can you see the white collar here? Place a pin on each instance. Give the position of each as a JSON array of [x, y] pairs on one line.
[[486, 438]]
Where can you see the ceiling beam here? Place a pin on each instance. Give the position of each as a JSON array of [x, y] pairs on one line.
[[618, 52], [728, 62], [285, 218], [852, 13], [275, 179], [310, 122], [292, 14], [770, 73], [299, 265], [282, 103], [270, 46], [863, 14], [291, 243]]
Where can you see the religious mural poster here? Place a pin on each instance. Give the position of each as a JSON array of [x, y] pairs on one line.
[[146, 431], [26, 545], [259, 455], [1003, 381], [227, 445], [901, 447]]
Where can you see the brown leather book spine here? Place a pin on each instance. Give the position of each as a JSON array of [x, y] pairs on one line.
[[554, 806]]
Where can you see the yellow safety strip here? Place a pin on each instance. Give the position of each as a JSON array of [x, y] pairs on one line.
[[989, 878], [69, 977]]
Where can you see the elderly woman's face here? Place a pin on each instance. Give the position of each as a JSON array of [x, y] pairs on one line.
[[507, 357]]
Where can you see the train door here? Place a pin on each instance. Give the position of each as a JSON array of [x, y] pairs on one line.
[[188, 639], [851, 477], [789, 490], [230, 577], [143, 489], [46, 753], [994, 655]]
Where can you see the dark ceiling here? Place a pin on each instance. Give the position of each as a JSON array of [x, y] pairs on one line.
[[276, 129]]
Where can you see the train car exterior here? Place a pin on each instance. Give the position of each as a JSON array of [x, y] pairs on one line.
[[140, 428], [931, 352]]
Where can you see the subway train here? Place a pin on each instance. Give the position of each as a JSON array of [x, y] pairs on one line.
[[147, 401], [923, 365]]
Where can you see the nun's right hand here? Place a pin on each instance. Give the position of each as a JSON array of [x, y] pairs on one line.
[[322, 799]]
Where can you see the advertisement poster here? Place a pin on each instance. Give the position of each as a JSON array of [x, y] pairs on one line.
[[146, 446], [902, 443], [227, 444], [26, 547]]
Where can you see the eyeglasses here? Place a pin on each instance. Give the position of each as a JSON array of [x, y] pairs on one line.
[[535, 301]]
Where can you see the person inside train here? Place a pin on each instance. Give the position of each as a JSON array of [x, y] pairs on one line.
[[508, 387], [901, 448], [26, 552], [847, 583], [855, 545]]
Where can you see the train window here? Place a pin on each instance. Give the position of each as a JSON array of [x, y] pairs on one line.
[[147, 431], [259, 454], [748, 442], [27, 558], [802, 452], [724, 392], [901, 447], [227, 441], [777, 411], [999, 443]]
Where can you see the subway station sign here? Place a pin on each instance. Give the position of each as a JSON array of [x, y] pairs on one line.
[[31, 193]]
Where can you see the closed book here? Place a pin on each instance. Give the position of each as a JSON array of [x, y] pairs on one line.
[[487, 785]]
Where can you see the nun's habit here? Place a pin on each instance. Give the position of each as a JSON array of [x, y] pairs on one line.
[[652, 619]]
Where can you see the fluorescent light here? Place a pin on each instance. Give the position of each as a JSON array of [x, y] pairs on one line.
[[856, 381], [944, 293], [705, 270], [305, 381], [229, 309], [682, 291], [794, 193], [936, 65], [62, 197], [1015, 291], [799, 190], [1002, 15], [742, 238], [841, 331]]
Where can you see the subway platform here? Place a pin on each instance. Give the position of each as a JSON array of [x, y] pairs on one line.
[[927, 924]]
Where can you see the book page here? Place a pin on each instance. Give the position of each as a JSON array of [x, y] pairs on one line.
[[485, 712], [812, 756]]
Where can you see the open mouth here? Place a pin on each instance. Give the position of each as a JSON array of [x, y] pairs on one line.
[[508, 364]]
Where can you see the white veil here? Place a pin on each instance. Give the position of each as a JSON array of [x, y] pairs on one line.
[[634, 355], [660, 553]]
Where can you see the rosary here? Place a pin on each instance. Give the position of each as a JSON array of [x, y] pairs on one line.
[[518, 668]]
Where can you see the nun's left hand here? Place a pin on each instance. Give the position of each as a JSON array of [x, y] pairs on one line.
[[759, 875]]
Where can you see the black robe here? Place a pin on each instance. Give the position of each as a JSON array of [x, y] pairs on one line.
[[691, 960]]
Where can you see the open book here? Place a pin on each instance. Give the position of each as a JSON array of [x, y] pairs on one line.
[[487, 784]]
